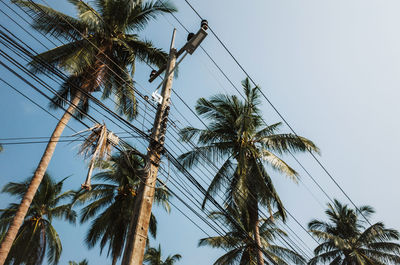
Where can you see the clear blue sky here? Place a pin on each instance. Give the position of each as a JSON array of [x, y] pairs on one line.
[[331, 67]]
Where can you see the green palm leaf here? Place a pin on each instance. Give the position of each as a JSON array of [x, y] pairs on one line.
[[109, 204], [240, 247], [346, 241], [37, 237], [153, 256]]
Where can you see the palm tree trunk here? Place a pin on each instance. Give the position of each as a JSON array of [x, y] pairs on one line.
[[128, 242], [114, 259], [35, 182], [253, 217]]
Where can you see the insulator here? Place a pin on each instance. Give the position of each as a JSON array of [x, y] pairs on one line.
[[190, 35], [204, 24], [153, 73]]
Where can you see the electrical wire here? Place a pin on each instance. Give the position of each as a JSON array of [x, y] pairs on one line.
[[291, 154], [281, 116], [20, 76]]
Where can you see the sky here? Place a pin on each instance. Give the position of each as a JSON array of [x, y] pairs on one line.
[[332, 69]]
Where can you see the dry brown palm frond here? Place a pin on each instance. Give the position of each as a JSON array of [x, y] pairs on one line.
[[97, 146]]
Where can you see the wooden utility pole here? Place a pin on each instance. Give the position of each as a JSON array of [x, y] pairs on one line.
[[136, 239]]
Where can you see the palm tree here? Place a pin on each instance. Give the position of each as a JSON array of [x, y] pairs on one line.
[[348, 240], [102, 48], [241, 248], [237, 136], [83, 262], [111, 203], [37, 237], [153, 257]]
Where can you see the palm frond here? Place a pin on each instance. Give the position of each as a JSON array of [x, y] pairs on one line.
[[278, 164], [346, 241], [145, 51], [55, 247], [286, 254], [88, 15], [218, 181], [52, 22], [37, 237], [288, 142], [142, 14], [212, 152]]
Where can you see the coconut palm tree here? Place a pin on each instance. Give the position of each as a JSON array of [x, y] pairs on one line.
[[153, 257], [103, 45], [348, 240], [37, 237], [111, 202], [237, 137], [83, 262], [239, 243]]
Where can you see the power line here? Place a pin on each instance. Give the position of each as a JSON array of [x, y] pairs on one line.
[[217, 169], [206, 126], [38, 105], [279, 114], [64, 78], [17, 74], [26, 71], [238, 91], [75, 131], [70, 140], [235, 87], [54, 44]]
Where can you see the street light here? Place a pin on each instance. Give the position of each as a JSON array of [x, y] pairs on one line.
[[193, 42]]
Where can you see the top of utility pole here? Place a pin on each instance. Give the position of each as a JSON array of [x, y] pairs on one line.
[[193, 42], [173, 39]]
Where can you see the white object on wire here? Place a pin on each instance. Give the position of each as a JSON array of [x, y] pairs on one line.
[[157, 97]]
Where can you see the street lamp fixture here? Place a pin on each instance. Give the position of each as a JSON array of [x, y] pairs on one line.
[[193, 42]]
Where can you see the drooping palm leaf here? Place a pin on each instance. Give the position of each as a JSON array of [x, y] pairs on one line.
[[97, 146]]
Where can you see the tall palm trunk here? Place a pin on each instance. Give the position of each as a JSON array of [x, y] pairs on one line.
[[114, 260], [253, 218], [128, 245], [19, 217]]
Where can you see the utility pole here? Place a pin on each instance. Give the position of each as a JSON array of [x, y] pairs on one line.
[[145, 194], [138, 230]]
